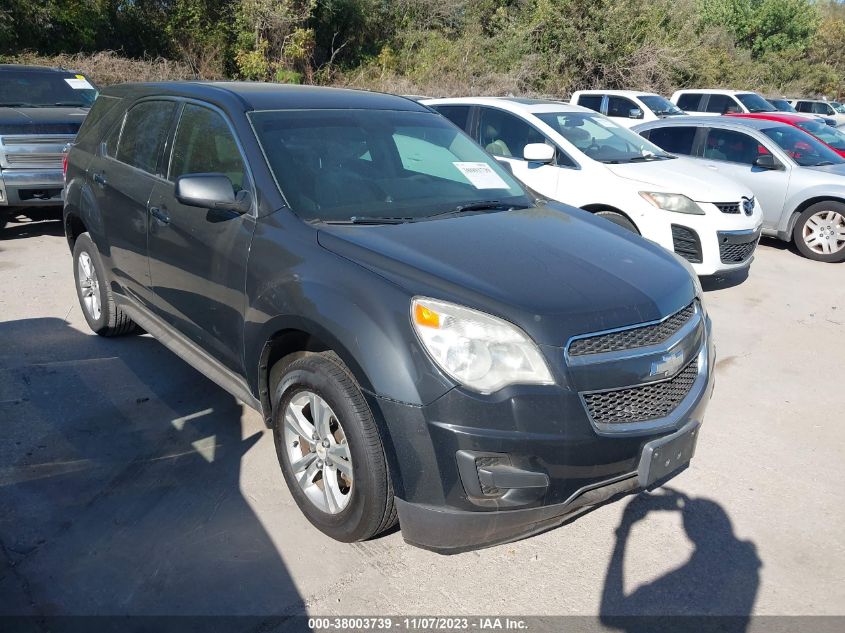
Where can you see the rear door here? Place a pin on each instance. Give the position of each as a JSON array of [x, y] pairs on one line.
[[124, 173], [733, 154], [197, 256], [505, 135]]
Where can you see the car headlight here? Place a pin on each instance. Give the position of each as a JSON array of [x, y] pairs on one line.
[[479, 351], [672, 202]]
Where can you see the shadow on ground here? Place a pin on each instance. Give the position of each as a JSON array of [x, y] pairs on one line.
[[119, 493], [24, 224], [721, 577]]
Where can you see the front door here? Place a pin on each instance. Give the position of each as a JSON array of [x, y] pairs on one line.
[[733, 155], [198, 256], [505, 136]]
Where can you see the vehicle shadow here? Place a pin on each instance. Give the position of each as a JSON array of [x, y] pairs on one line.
[[720, 578], [32, 224], [121, 471]]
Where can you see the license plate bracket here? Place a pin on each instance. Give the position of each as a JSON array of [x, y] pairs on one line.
[[663, 456]]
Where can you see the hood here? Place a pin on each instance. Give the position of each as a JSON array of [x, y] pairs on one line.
[[684, 176], [553, 270], [833, 170], [41, 120]]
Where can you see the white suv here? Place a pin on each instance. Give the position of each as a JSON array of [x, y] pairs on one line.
[[715, 102], [579, 157], [627, 107], [820, 107]]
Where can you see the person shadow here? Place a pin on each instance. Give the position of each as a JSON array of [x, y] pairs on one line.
[[714, 590]]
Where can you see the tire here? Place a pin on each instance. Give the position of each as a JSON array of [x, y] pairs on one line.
[[618, 219], [94, 293], [346, 509], [819, 233]]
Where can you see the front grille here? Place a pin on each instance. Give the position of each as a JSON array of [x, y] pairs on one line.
[[34, 160], [633, 337], [686, 243], [736, 253], [644, 403], [728, 207]]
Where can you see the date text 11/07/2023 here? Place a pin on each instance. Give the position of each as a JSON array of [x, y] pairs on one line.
[[418, 623]]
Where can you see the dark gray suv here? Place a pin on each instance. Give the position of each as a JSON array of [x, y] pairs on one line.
[[425, 337]]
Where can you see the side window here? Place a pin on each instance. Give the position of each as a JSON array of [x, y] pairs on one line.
[[803, 106], [113, 136], [720, 104], [98, 121], [204, 144], [144, 132], [620, 106], [734, 147], [591, 101], [677, 140], [690, 101], [503, 134], [457, 114], [822, 108]]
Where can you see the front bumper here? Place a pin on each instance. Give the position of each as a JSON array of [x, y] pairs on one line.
[[540, 440], [31, 187]]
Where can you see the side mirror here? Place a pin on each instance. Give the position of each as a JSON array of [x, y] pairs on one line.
[[766, 161], [635, 113], [538, 153], [211, 191]]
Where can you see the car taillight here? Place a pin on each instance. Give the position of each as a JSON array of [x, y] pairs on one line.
[[64, 166]]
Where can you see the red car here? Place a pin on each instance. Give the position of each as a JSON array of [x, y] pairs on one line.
[[830, 136]]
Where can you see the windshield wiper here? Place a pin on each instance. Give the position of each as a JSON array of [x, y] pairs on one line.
[[17, 104], [824, 163], [67, 104], [481, 205], [365, 219]]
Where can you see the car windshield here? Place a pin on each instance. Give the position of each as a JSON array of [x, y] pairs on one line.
[[801, 147], [371, 165], [601, 139], [840, 108], [755, 103], [661, 106], [830, 135], [39, 89], [782, 105]]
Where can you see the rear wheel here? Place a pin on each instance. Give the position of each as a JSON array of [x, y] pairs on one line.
[[95, 297], [618, 219], [330, 450], [819, 232]]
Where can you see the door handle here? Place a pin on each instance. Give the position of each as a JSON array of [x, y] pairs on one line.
[[160, 215], [100, 178]]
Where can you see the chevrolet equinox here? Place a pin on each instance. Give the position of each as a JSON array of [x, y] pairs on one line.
[[429, 341]]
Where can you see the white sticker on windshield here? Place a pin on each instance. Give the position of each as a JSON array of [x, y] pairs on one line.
[[481, 175], [79, 84]]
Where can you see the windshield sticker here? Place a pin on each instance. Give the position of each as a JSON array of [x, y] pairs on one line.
[[481, 175], [79, 83]]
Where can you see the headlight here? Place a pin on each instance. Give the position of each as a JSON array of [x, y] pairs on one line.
[[481, 352], [672, 202]]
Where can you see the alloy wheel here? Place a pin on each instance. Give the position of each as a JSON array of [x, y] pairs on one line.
[[89, 285], [318, 452], [824, 232]]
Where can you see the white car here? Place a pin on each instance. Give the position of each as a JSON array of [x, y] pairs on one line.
[[822, 108], [579, 157], [706, 102], [627, 107]]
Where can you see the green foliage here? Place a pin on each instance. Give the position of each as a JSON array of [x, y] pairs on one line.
[[460, 46]]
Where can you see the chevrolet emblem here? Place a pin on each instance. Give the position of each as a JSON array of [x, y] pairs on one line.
[[668, 365]]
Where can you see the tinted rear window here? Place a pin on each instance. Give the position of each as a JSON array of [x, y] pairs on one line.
[[457, 114], [677, 140], [590, 101], [144, 132], [690, 102]]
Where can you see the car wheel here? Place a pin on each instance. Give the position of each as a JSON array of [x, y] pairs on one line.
[[618, 219], [330, 450], [819, 232], [95, 296]]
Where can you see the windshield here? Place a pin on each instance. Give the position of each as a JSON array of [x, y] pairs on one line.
[[661, 106], [803, 148], [782, 105], [830, 135], [755, 103], [600, 138], [840, 108], [343, 165], [39, 89]]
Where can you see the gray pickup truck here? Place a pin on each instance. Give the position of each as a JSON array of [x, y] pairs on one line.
[[41, 110]]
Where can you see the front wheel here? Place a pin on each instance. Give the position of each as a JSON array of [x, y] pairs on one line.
[[618, 219], [330, 450], [819, 233]]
